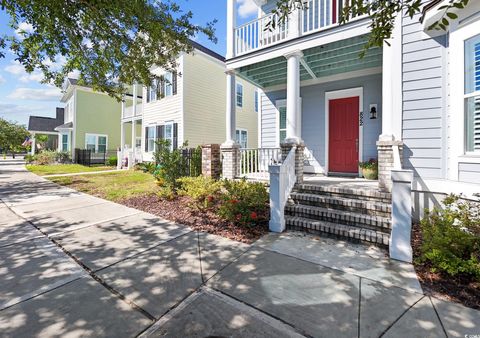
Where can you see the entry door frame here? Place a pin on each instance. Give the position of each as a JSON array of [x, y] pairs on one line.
[[341, 94]]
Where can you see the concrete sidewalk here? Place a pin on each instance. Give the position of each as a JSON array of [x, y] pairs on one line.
[[75, 265]]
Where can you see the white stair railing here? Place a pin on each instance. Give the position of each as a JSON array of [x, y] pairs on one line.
[[254, 162], [282, 181]]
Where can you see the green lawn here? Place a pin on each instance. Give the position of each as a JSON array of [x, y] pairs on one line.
[[43, 170], [111, 186]]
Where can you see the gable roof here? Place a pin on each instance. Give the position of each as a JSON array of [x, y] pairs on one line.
[[207, 51], [47, 124]]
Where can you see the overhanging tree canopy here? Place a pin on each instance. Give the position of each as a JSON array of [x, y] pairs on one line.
[[109, 43]]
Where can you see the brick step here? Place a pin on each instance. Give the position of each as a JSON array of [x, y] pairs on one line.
[[377, 223], [374, 208], [367, 194], [342, 231]]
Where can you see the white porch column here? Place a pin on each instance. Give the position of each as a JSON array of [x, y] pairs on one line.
[[231, 108], [231, 25], [293, 96], [32, 151], [134, 108], [392, 86], [122, 135]]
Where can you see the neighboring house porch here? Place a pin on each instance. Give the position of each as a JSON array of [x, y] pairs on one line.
[[40, 125], [131, 127]]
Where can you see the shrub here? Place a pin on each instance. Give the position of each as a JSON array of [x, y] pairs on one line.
[[203, 190], [45, 157], [146, 167], [244, 203], [171, 165], [112, 161], [29, 158], [451, 238], [62, 157]]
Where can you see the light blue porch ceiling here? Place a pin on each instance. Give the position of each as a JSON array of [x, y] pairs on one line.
[[330, 59]]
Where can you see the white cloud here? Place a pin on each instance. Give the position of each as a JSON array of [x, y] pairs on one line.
[[17, 69], [247, 8], [2, 80], [23, 29], [48, 93], [21, 112]]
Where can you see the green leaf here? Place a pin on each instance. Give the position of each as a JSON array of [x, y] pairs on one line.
[[452, 15]]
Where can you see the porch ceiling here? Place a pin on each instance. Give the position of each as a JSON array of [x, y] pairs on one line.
[[330, 59]]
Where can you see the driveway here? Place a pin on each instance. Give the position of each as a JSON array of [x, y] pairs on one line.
[[72, 265]]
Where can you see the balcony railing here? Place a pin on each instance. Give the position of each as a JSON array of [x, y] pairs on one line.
[[128, 111], [254, 162], [255, 35]]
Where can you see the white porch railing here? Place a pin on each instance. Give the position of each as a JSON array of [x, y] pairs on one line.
[[127, 158], [254, 162], [282, 181], [128, 111], [254, 35]]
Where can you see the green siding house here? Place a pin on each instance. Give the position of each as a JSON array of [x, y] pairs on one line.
[[90, 120]]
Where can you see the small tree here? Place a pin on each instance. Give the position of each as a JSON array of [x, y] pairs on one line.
[[12, 136]]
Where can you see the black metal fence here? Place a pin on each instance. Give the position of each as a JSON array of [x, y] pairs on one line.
[[192, 161], [88, 157]]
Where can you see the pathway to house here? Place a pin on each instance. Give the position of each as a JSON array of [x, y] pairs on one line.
[[75, 265]]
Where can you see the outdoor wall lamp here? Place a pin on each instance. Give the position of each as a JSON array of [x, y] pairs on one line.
[[373, 111]]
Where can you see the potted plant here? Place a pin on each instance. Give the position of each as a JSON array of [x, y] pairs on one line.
[[369, 169]]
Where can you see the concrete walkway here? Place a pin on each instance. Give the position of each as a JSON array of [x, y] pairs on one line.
[[72, 265]]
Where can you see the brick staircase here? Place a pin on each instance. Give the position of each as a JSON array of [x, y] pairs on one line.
[[360, 214]]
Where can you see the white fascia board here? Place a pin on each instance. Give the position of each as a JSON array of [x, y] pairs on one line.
[[335, 33]]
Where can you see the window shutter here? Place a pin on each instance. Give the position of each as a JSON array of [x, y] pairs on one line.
[[146, 137], [174, 83], [148, 94], [175, 135]]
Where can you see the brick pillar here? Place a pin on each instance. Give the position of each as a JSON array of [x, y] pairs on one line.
[[211, 165], [299, 158], [385, 162], [230, 161]]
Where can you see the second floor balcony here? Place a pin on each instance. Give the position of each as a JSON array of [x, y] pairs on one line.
[[268, 30]]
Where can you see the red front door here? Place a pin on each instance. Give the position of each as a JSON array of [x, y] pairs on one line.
[[343, 135]]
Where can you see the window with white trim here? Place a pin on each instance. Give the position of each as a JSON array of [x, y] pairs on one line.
[[239, 95], [472, 94], [65, 142], [96, 143], [282, 125], [151, 138], [241, 136], [169, 133]]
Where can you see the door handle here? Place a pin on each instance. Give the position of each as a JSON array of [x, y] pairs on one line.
[[356, 144]]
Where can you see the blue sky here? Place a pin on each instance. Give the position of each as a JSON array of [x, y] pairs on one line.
[[22, 94]]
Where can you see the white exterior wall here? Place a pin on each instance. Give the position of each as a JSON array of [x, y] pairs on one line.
[[167, 109]]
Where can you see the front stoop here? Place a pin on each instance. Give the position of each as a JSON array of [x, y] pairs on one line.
[[356, 214]]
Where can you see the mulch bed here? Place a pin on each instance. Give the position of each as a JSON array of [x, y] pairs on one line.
[[459, 289], [177, 210]]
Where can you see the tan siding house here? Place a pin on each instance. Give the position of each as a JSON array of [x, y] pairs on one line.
[[192, 105]]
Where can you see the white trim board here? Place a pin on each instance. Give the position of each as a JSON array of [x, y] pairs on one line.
[[340, 94]]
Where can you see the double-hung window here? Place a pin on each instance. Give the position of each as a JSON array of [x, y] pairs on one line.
[[239, 95], [96, 143], [282, 122], [64, 142], [169, 133], [242, 137], [151, 139], [472, 94]]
